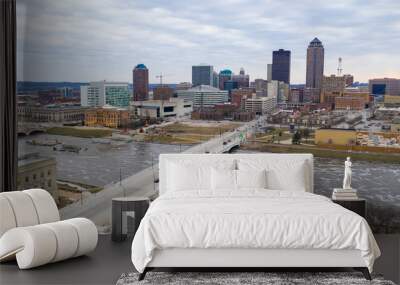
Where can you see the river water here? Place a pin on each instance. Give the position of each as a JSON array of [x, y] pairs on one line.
[[377, 182], [99, 165]]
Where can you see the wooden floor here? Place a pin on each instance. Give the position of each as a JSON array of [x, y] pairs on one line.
[[110, 260]]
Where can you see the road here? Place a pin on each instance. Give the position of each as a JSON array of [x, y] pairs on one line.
[[97, 207]]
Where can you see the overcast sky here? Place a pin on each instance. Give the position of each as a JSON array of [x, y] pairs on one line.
[[84, 40]]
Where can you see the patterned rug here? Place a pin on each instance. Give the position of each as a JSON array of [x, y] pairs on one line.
[[243, 278]]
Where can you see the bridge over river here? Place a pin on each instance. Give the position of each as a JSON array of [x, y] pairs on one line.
[[97, 207], [27, 129]]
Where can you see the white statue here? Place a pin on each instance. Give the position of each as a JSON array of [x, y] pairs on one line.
[[347, 174]]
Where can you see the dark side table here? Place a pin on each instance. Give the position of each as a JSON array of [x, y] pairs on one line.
[[127, 212], [358, 206]]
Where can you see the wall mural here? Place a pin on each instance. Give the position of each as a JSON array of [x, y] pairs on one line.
[[105, 87]]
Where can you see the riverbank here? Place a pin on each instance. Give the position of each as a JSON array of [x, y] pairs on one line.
[[80, 132], [321, 152], [189, 133]]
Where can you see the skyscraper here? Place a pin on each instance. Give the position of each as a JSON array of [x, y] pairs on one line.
[[315, 64], [202, 75], [269, 71], [281, 65], [215, 79], [140, 83], [242, 79], [224, 76]]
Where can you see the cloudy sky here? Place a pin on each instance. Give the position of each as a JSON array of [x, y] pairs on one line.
[[83, 40]]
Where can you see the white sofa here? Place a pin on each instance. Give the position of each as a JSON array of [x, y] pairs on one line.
[[31, 231]]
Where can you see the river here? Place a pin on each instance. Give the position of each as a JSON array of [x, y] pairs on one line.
[[97, 164], [378, 183]]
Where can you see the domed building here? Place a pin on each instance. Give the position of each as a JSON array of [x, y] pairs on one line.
[[140, 83], [224, 76]]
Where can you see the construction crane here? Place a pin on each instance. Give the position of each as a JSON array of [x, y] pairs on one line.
[[161, 76], [339, 68]]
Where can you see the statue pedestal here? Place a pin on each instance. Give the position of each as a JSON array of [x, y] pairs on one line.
[[344, 190], [344, 194]]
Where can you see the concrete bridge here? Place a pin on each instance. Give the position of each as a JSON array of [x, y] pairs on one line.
[[97, 207], [27, 129]]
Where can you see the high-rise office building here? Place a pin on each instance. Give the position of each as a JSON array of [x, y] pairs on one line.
[[315, 64], [261, 87], [224, 76], [283, 92], [242, 79], [273, 89], [202, 75], [296, 95], [230, 85], [215, 79], [269, 71], [281, 65], [140, 83]]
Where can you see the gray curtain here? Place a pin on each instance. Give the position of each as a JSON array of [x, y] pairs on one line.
[[8, 120]]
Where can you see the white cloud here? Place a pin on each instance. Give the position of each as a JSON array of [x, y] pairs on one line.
[[104, 39]]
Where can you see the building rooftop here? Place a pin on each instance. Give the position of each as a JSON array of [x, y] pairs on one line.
[[110, 107], [315, 43], [141, 66], [32, 158], [226, 72], [204, 88]]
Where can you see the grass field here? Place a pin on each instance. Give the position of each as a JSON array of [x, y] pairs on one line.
[[201, 130], [268, 138], [177, 139], [320, 152], [179, 133], [79, 132]]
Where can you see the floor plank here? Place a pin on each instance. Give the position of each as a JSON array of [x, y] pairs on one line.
[[110, 260]]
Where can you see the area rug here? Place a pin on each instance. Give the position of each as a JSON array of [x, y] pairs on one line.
[[269, 278]]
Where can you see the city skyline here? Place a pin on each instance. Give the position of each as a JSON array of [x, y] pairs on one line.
[[102, 39]]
